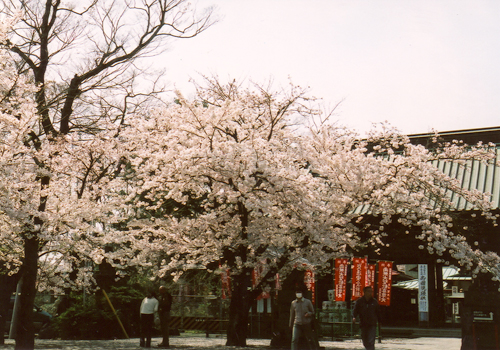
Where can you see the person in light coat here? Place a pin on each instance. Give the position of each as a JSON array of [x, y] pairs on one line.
[[301, 315], [149, 307]]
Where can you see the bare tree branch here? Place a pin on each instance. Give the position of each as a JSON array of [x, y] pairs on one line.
[[99, 41]]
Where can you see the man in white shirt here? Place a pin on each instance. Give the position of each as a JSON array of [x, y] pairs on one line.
[[149, 306]]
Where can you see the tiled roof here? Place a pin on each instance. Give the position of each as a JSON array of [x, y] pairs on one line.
[[468, 136], [450, 273], [475, 175]]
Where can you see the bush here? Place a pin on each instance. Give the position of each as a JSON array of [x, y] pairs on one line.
[[85, 321], [127, 303], [95, 319]]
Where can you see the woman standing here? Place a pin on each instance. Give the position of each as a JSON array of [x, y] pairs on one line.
[[149, 306]]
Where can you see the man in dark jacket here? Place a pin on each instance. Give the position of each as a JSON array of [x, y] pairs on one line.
[[165, 304], [367, 310]]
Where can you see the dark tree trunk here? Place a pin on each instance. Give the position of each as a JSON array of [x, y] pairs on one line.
[[243, 295], [25, 332], [241, 301]]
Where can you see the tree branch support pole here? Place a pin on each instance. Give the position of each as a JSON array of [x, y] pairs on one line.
[[114, 311], [15, 312]]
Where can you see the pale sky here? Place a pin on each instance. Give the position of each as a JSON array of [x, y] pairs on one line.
[[419, 64]]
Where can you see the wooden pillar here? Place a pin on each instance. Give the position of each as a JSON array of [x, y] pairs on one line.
[[432, 293], [440, 304], [436, 295]]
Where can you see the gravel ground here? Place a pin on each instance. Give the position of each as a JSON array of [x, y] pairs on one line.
[[202, 343]]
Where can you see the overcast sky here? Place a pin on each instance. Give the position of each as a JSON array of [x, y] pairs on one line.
[[419, 64]]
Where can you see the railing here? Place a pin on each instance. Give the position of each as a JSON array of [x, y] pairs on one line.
[[206, 313], [337, 323]]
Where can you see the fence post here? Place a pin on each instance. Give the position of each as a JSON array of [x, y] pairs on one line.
[[220, 317]]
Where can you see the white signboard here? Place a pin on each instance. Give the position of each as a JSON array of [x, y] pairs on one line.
[[423, 294]]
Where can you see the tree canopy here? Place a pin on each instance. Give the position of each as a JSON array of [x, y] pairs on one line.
[[83, 60], [270, 189], [92, 171]]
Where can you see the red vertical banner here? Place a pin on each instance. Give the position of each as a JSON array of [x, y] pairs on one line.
[[370, 276], [277, 283], [225, 278], [358, 277], [384, 282], [258, 272], [310, 283], [255, 277], [340, 278]]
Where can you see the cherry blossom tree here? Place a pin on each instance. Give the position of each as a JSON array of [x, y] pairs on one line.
[[83, 59], [270, 190], [10, 85], [58, 228], [234, 176]]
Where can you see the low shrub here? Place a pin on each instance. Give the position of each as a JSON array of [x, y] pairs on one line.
[[94, 319]]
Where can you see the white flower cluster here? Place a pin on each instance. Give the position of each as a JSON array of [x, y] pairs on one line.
[[226, 177], [268, 191]]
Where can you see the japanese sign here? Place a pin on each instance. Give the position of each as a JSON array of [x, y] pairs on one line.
[[340, 278], [358, 277], [277, 283], [370, 276], [384, 282], [310, 283], [423, 293], [258, 272]]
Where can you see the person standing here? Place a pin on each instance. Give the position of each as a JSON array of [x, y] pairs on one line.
[[368, 312], [165, 305], [301, 314], [149, 306]]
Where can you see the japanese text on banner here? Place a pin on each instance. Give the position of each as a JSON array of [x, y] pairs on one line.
[[370, 276], [340, 278], [384, 282], [310, 283], [423, 305], [277, 283], [258, 272], [358, 277]]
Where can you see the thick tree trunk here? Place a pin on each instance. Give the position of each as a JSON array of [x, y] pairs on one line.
[[241, 300], [25, 332]]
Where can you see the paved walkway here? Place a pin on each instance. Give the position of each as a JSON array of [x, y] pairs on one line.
[[202, 343]]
